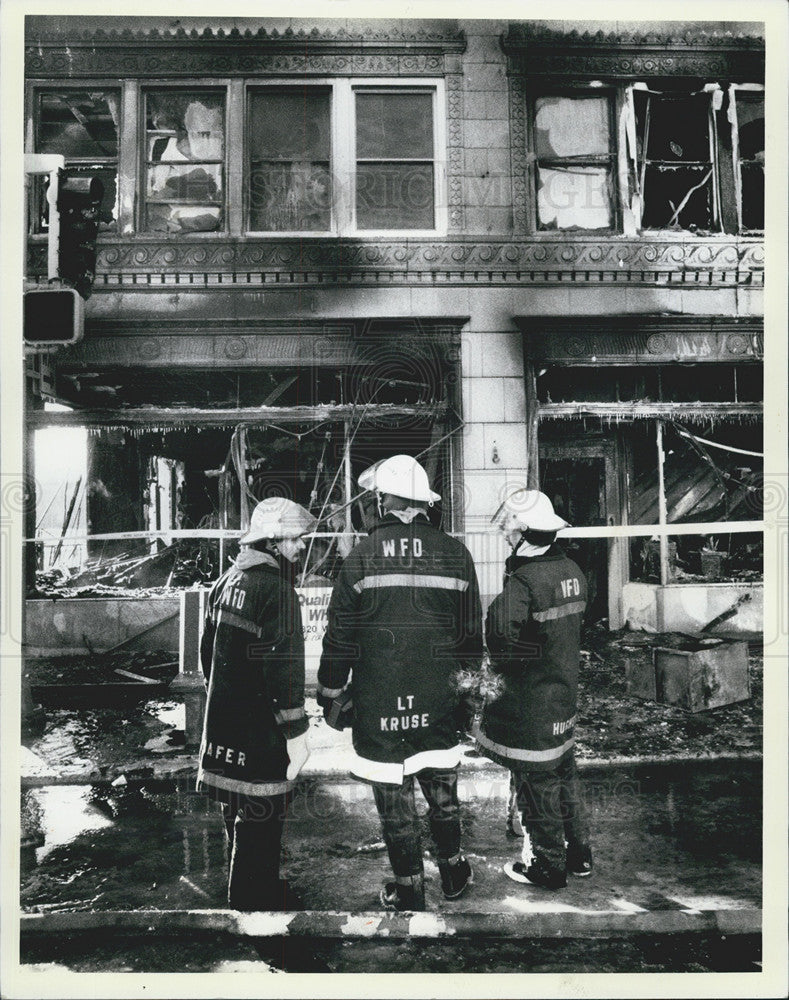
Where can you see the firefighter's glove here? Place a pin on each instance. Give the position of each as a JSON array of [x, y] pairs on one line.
[[338, 712], [298, 752]]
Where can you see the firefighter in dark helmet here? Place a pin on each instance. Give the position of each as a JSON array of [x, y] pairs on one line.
[[405, 621], [533, 636], [255, 729]]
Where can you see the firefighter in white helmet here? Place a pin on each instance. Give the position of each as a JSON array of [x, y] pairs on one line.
[[533, 636], [405, 622], [255, 729]]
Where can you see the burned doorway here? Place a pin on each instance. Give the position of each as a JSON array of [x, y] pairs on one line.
[[580, 479]]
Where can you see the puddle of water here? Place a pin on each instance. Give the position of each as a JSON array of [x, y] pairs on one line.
[[162, 846], [90, 738], [64, 813]]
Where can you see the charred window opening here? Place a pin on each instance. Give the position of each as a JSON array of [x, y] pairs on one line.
[[748, 124], [675, 141], [290, 159], [712, 473], [82, 126], [194, 450], [574, 162], [184, 161], [688, 383]]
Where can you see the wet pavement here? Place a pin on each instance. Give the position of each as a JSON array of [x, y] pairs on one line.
[[115, 839], [666, 837]]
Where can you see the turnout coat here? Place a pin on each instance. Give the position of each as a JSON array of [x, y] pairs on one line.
[[405, 620], [533, 636], [252, 655]]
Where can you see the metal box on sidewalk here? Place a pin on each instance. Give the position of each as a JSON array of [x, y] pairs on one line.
[[694, 674], [702, 678]]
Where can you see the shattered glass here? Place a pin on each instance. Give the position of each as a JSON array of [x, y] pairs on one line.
[[750, 132], [572, 139], [81, 126], [673, 137], [185, 137]]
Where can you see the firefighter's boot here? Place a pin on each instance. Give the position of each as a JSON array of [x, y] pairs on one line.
[[407, 893], [455, 877]]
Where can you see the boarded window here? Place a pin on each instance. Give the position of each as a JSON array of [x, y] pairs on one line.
[[750, 144], [82, 126], [675, 143], [572, 143], [395, 153], [185, 149], [290, 159]]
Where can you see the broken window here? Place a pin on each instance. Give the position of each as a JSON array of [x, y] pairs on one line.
[[712, 474], [747, 117], [675, 144], [574, 162], [184, 161], [395, 154], [81, 126], [290, 159]]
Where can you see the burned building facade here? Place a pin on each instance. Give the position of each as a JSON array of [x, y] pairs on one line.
[[527, 253]]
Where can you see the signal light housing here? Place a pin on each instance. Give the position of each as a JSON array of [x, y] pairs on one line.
[[78, 204], [54, 315]]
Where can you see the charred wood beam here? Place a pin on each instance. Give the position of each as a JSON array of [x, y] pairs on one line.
[[149, 418]]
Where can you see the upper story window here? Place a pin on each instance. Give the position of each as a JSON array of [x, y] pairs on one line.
[[290, 165], [395, 160], [677, 160], [184, 182], [344, 157], [573, 162], [82, 125], [748, 146]]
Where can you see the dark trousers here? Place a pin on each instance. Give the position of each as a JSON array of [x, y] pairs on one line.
[[552, 811], [400, 821], [254, 831]]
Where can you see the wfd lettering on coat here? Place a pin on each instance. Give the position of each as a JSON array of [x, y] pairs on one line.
[[401, 723], [389, 547], [234, 597], [570, 587]]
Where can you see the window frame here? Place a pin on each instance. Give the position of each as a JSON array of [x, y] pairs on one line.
[[716, 221], [36, 89], [439, 152], [145, 87], [343, 152], [580, 92], [744, 89]]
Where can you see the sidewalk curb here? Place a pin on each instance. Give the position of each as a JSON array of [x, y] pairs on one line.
[[185, 767], [399, 926]]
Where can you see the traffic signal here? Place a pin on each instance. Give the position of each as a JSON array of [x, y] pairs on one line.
[[78, 204], [53, 315]]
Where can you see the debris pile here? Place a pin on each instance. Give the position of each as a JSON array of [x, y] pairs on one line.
[[174, 566]]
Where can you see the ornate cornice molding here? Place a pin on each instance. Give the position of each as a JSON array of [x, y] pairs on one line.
[[596, 340], [253, 264], [372, 50], [539, 52]]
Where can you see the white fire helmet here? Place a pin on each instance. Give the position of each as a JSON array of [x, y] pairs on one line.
[[527, 510], [400, 475], [278, 517]]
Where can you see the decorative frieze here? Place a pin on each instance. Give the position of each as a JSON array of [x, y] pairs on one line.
[[642, 340], [539, 52], [373, 51], [145, 263]]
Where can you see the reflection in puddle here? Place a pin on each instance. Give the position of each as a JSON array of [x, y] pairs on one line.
[[159, 845], [171, 714], [64, 812]]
